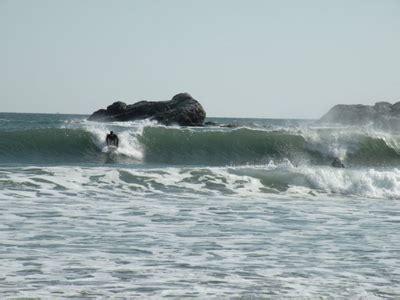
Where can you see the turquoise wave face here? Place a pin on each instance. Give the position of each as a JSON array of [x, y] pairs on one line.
[[50, 145], [187, 146], [232, 147]]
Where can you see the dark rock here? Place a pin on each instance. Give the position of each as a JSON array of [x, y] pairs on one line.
[[382, 114], [211, 123], [116, 107], [229, 125], [349, 114], [396, 108], [383, 107], [182, 110], [337, 163]]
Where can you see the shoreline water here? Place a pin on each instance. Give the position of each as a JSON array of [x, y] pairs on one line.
[[252, 211]]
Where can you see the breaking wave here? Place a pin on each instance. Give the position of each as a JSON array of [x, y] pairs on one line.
[[272, 179], [149, 143]]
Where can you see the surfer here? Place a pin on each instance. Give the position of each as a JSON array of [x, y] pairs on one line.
[[112, 139], [337, 163]]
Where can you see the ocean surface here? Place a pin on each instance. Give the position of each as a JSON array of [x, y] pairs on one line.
[[247, 211]]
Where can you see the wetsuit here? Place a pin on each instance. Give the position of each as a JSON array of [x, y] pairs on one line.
[[112, 139]]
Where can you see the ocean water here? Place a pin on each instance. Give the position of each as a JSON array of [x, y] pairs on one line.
[[254, 210]]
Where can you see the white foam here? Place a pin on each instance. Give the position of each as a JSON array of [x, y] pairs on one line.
[[368, 183], [128, 133], [201, 232], [330, 143], [340, 141]]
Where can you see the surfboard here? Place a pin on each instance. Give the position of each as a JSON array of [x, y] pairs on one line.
[[109, 149]]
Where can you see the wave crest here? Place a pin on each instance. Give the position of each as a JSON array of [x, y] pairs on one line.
[[149, 143]]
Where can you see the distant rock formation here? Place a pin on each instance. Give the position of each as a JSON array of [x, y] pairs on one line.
[[381, 114], [182, 110]]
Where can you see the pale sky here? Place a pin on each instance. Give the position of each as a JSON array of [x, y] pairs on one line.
[[248, 58]]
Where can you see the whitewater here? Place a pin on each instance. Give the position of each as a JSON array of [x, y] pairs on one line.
[[253, 209]]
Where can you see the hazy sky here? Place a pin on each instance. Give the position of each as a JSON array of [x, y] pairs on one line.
[[279, 59]]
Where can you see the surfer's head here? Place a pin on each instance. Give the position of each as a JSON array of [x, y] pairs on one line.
[[111, 132]]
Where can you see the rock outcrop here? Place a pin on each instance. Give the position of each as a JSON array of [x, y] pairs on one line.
[[381, 114], [182, 110]]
